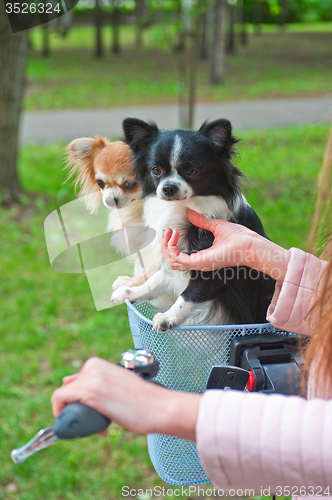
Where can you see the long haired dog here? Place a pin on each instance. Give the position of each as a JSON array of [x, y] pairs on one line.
[[183, 169], [103, 171]]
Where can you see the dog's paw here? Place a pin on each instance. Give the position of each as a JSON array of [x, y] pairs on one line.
[[163, 322], [121, 294], [122, 281]]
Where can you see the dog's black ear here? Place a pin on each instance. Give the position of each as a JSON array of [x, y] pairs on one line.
[[138, 133], [219, 132]]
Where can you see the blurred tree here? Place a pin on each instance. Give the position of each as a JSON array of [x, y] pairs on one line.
[[64, 23], [257, 16], [115, 22], [46, 39], [181, 21], [140, 18], [283, 15], [218, 50], [13, 54], [203, 50], [230, 47], [99, 50], [192, 69], [30, 43], [192, 12], [244, 35]]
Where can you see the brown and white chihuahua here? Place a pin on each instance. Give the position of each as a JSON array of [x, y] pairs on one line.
[[103, 172]]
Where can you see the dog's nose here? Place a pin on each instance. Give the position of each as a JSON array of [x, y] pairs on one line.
[[111, 202], [170, 189]]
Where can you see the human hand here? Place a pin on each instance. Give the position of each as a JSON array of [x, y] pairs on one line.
[[130, 401], [231, 246], [234, 245]]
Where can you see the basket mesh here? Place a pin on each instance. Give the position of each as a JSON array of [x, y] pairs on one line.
[[186, 355]]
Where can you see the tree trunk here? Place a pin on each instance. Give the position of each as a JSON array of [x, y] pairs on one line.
[[283, 15], [217, 56], [257, 16], [64, 23], [30, 44], [13, 54], [116, 31], [193, 56], [183, 17], [183, 108], [140, 13], [188, 69], [244, 35], [231, 32], [181, 47], [46, 40], [203, 50], [98, 24]]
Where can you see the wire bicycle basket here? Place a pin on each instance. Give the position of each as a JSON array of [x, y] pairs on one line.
[[186, 355]]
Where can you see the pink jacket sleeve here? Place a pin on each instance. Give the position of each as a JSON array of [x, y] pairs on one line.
[[293, 299], [258, 441]]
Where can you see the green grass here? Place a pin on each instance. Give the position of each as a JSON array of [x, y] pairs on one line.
[[49, 325], [290, 63], [312, 27], [282, 167]]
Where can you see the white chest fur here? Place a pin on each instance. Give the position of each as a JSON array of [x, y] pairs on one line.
[[160, 214]]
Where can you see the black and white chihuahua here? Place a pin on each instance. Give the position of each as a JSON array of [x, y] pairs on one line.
[[181, 169]]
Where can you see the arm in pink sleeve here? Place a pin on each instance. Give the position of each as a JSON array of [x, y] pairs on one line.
[[293, 299], [254, 441]]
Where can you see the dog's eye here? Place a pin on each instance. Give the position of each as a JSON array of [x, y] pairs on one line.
[[100, 183], [156, 171], [192, 171], [129, 185]]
